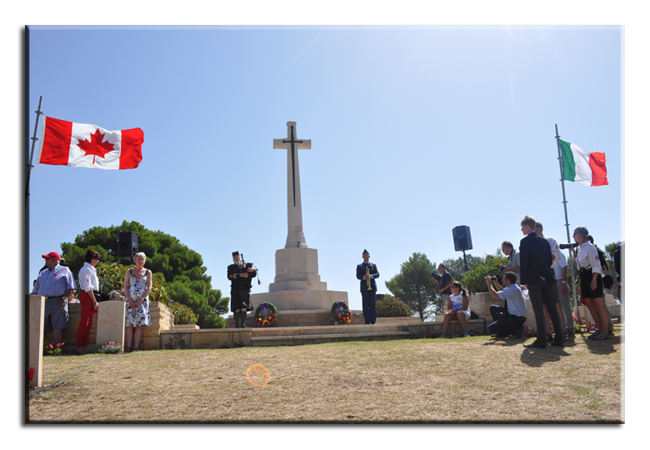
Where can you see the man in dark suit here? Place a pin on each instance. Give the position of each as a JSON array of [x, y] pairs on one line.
[[536, 273], [367, 272]]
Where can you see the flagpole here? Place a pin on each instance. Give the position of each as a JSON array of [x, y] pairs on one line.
[[31, 157], [566, 215]]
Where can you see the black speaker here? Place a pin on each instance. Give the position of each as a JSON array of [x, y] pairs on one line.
[[462, 238], [128, 244]]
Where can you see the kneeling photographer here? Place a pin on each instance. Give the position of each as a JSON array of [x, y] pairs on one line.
[[511, 321], [591, 281]]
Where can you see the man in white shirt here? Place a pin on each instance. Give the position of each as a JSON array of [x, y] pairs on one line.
[[513, 258], [556, 253]]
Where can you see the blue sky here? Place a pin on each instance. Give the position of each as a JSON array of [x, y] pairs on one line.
[[415, 130]]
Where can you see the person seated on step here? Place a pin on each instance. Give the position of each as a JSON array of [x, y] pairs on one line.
[[457, 308], [513, 318]]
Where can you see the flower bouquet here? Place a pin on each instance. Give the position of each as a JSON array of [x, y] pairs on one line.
[[265, 314], [578, 324], [52, 349], [341, 312]]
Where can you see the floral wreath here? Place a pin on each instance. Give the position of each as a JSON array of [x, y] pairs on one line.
[[266, 313], [341, 312]]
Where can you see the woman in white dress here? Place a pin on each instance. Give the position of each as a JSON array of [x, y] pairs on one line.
[[457, 308], [137, 286]]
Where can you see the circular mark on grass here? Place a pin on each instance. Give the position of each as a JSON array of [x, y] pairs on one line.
[[258, 375]]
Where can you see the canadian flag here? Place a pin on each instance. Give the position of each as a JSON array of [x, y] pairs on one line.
[[81, 145]]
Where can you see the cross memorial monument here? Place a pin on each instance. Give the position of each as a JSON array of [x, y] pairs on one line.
[[297, 286]]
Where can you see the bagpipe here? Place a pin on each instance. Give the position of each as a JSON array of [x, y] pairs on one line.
[[250, 265]]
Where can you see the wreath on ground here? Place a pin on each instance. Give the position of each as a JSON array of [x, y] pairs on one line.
[[266, 313], [341, 312]]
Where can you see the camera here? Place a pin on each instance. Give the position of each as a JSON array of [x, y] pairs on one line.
[[502, 268], [565, 246]]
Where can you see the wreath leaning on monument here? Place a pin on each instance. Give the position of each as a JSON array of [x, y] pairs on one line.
[[266, 313], [341, 312]]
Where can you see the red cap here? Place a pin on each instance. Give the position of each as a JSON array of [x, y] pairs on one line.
[[53, 255]]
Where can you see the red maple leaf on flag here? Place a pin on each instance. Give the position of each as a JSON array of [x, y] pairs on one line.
[[96, 147]]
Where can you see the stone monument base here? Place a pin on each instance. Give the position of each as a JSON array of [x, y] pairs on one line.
[[297, 318], [304, 300]]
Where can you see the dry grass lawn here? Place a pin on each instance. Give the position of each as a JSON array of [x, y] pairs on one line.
[[477, 379]]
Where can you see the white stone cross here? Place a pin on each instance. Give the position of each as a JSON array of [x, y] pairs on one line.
[[295, 236]]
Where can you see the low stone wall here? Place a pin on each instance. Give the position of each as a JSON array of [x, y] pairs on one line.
[[187, 326], [475, 327], [404, 320], [208, 338], [480, 304], [162, 319]]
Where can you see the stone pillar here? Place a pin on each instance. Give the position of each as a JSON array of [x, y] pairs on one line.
[[480, 303], [110, 322], [162, 318], [36, 312], [531, 322], [582, 312]]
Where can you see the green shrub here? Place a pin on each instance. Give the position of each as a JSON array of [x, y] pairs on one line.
[[392, 307], [111, 278], [183, 314], [475, 279], [107, 349]]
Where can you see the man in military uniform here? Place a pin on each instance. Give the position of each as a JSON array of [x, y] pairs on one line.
[[240, 277], [367, 272]]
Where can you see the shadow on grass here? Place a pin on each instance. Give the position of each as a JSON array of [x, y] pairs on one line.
[[604, 347], [506, 341], [536, 357]]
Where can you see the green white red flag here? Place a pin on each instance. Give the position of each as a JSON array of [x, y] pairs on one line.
[[82, 145], [583, 167]]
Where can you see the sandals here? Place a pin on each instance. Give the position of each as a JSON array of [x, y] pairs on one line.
[[595, 335], [599, 336]]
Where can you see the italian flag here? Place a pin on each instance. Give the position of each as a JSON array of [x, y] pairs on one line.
[[81, 145], [583, 167]]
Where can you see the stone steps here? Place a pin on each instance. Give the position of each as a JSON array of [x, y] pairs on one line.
[[329, 330], [304, 339], [275, 336]]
